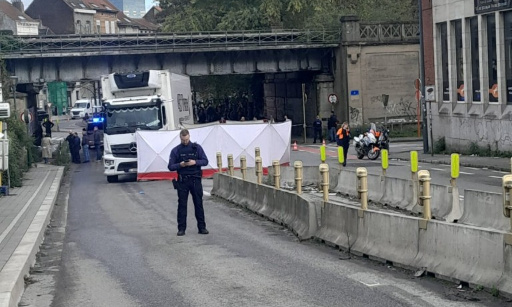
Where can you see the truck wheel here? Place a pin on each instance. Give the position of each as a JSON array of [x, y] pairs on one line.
[[112, 179]]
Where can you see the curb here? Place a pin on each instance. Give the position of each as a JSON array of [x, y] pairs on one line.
[[24, 257]]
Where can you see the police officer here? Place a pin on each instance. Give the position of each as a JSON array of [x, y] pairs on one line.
[[187, 158]]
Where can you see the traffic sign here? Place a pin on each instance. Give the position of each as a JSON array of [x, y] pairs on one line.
[[22, 117], [333, 98]]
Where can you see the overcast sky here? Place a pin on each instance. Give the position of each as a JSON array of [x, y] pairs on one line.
[[149, 3]]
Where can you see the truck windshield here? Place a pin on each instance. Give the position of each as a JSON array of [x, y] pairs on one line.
[[81, 105], [129, 120]]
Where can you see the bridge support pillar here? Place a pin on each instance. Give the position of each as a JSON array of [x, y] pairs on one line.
[[324, 89]]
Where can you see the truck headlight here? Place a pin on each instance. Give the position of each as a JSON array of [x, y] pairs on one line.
[[109, 162]]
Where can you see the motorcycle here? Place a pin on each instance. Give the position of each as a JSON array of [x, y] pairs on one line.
[[370, 143]]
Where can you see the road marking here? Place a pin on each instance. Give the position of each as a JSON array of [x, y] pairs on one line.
[[473, 168], [11, 225], [369, 285], [499, 172], [207, 193], [438, 169], [466, 173], [496, 177]]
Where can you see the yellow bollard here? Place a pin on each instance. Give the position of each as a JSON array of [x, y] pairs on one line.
[[257, 152], [324, 171], [231, 168], [341, 156], [243, 166], [259, 170], [507, 197], [362, 188], [385, 161], [277, 173], [424, 179], [322, 153], [219, 161], [414, 165], [298, 176], [455, 166]]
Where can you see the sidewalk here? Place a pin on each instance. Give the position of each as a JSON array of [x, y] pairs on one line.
[[24, 215]]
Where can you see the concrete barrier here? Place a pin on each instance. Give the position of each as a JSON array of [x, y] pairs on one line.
[[399, 193], [464, 253], [280, 206], [347, 183], [472, 254], [444, 204], [484, 209]]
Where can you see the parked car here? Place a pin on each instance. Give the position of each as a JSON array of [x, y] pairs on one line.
[[81, 107]]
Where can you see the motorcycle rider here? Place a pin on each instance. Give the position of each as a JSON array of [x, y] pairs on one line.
[[344, 140]]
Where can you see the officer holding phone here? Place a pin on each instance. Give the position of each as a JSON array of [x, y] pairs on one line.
[[187, 159]]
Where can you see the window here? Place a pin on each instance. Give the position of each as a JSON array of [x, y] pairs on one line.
[[491, 60], [78, 27], [457, 26], [475, 58], [107, 27], [113, 26], [98, 26], [508, 53], [443, 37], [88, 27]]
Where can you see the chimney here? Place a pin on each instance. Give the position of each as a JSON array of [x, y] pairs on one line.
[[19, 5]]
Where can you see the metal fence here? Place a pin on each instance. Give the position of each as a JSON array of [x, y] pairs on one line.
[[34, 46]]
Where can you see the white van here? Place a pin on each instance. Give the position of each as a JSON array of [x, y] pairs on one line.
[[80, 108]]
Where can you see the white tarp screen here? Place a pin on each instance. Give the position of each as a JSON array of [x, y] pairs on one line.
[[154, 147]]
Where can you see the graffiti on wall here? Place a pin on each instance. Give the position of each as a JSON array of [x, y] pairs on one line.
[[354, 115], [402, 108]]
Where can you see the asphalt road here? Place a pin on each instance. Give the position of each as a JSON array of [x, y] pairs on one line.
[[120, 249]]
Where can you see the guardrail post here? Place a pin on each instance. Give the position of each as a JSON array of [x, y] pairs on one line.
[[324, 171], [424, 180], [230, 165], [298, 176], [259, 170], [277, 173], [454, 169], [219, 161], [243, 166], [362, 189], [257, 152], [385, 161]]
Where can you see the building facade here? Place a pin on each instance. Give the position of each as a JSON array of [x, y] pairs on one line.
[[15, 20], [472, 48], [131, 8]]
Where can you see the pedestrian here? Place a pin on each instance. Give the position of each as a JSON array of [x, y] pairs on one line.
[[71, 143], [85, 146], [317, 129], [46, 148], [76, 148], [331, 126], [344, 140], [48, 125], [187, 159], [97, 143], [86, 118]]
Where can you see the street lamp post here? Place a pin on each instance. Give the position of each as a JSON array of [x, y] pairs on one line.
[[423, 104]]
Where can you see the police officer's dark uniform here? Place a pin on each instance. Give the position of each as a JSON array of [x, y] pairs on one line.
[[189, 180]]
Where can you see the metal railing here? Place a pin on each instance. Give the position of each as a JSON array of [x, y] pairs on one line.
[[35, 46], [387, 32]]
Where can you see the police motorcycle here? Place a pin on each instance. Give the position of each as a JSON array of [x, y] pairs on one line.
[[370, 143]]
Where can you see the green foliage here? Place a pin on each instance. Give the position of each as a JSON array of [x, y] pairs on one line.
[[62, 156], [494, 291], [20, 150], [225, 15]]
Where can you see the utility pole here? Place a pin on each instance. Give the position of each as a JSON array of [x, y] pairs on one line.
[[423, 104]]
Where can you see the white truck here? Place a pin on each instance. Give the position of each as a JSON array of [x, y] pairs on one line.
[[150, 100]]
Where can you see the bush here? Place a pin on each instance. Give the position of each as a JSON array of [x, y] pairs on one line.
[[440, 145], [62, 155], [21, 151]]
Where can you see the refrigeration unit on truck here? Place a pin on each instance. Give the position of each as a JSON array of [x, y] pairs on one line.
[[150, 100]]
